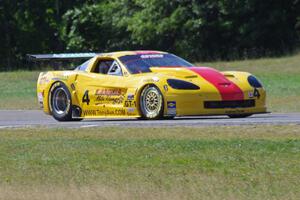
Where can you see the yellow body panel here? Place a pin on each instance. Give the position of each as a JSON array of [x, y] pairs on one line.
[[118, 96]]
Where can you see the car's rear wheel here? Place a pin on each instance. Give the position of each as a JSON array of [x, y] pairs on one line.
[[60, 102], [239, 116], [151, 103]]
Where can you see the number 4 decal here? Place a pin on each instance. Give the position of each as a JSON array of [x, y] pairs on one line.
[[85, 98]]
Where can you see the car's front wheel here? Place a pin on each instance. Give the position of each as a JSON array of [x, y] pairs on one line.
[[151, 103], [60, 102]]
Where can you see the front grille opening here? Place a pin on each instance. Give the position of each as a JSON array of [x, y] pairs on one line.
[[229, 104]]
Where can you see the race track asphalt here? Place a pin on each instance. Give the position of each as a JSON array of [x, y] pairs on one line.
[[36, 118]]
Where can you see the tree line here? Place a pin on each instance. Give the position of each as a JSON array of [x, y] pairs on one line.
[[194, 29]]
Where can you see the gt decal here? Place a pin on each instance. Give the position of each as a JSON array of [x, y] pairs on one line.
[[85, 98], [129, 104]]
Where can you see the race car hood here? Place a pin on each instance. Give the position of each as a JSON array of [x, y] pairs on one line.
[[205, 75]]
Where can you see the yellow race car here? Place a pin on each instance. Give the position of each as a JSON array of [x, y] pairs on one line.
[[145, 84]]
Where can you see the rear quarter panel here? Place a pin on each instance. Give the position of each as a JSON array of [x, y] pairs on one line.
[[47, 79]]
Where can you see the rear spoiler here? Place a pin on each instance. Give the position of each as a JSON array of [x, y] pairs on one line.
[[61, 56]]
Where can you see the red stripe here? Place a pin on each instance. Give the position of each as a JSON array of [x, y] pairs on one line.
[[228, 90]]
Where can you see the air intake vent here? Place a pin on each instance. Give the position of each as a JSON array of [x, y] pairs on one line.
[[229, 104]]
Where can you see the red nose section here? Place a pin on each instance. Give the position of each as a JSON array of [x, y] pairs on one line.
[[228, 90]]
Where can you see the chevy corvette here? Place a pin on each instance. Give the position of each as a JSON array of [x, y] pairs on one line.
[[147, 85]]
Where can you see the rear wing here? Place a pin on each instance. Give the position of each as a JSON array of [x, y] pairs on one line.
[[61, 56], [56, 60]]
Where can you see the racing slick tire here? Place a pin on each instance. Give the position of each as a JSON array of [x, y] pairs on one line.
[[239, 116], [60, 102], [151, 103]]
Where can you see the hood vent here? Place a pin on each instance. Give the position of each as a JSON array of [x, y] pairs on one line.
[[193, 76]]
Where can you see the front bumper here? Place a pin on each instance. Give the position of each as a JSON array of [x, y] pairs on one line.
[[192, 104]]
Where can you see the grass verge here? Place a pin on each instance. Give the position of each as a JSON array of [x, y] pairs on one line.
[[18, 90], [248, 162]]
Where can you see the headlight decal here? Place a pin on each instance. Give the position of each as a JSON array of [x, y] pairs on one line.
[[182, 85], [254, 82]]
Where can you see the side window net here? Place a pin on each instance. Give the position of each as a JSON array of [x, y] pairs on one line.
[[110, 67], [115, 69]]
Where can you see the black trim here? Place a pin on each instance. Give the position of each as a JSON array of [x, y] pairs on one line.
[[229, 104]]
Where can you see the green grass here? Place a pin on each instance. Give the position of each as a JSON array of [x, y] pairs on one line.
[[280, 76], [248, 162], [18, 90]]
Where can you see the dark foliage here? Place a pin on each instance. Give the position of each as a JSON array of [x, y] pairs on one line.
[[196, 30]]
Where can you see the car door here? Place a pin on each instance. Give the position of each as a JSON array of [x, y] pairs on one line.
[[102, 91]]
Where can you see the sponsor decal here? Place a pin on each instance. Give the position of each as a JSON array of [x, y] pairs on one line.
[[166, 88], [147, 52], [145, 56], [109, 99], [253, 94], [130, 97], [111, 96], [73, 55], [171, 105], [109, 92], [41, 97], [44, 80], [130, 110], [250, 94], [104, 112]]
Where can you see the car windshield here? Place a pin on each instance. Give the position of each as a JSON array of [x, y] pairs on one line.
[[141, 63]]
